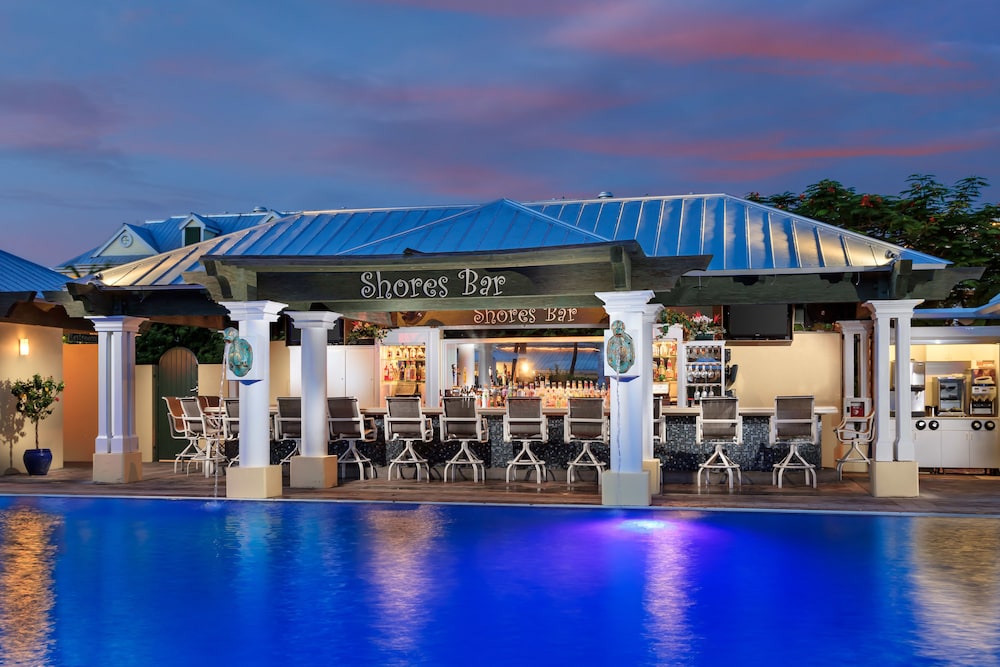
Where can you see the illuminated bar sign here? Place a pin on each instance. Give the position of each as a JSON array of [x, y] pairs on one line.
[[507, 317], [461, 282]]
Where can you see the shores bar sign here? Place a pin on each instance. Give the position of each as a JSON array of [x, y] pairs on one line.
[[463, 282]]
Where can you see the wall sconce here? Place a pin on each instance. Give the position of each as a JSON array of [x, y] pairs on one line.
[[23, 347]]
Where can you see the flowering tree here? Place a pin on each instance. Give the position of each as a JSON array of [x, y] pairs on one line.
[[35, 398], [929, 217]]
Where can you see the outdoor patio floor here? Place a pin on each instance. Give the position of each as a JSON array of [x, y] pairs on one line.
[[968, 493]]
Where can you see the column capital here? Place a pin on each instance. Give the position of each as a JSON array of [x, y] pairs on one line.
[[627, 301], [253, 310], [892, 308], [313, 319], [116, 323], [848, 327]]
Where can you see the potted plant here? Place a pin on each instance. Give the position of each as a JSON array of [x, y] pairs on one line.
[[34, 400], [363, 332]]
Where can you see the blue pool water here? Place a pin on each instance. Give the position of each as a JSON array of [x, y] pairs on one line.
[[106, 581]]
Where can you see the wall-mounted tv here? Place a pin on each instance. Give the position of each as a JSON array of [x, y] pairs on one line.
[[751, 321]]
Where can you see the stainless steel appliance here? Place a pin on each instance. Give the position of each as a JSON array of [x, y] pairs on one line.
[[951, 395], [918, 394], [982, 397]]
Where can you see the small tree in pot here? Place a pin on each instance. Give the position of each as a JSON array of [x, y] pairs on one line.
[[34, 400]]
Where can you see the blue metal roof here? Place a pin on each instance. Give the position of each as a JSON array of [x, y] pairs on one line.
[[20, 275], [166, 235], [741, 236]]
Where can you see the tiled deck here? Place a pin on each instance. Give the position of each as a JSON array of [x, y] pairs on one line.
[[950, 493]]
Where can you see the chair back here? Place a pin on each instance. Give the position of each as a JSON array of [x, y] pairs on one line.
[[405, 420], [659, 420], [794, 419], [585, 420], [289, 422], [858, 422], [719, 420], [175, 417], [209, 402], [461, 419], [231, 418], [345, 420], [524, 419], [194, 420]]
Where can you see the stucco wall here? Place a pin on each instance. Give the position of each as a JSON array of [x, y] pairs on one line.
[[45, 358], [811, 364], [80, 370]]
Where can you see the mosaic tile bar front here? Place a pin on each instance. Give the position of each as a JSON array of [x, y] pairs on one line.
[[680, 452]]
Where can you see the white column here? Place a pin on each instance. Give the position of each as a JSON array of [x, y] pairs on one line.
[[315, 326], [645, 341], [897, 445], [255, 476], [116, 384], [894, 470], [856, 357], [626, 483]]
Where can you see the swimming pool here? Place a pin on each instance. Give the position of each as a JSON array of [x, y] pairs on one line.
[[104, 581]]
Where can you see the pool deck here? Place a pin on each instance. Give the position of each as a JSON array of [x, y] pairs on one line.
[[968, 493]]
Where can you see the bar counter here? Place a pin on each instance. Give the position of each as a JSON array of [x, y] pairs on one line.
[[680, 452]]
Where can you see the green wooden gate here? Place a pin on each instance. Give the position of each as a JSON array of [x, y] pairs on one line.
[[176, 375]]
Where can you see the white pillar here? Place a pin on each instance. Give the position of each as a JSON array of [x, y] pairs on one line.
[[894, 469], [117, 458], [856, 357], [315, 467], [255, 477], [626, 483], [650, 463], [315, 326]]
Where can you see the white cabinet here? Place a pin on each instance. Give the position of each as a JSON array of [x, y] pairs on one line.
[[984, 448], [956, 444], [927, 448]]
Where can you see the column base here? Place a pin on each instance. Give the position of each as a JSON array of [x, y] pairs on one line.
[[625, 489], [895, 479], [117, 468], [312, 472], [655, 470], [263, 482]]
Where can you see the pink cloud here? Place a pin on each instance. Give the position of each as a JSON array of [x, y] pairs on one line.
[[660, 32]]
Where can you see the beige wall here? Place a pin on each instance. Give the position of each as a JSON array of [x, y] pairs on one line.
[[80, 370], [811, 365], [45, 358]]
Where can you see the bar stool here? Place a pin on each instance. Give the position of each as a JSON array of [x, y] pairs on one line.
[[720, 423], [585, 423], [288, 424], [461, 421], [346, 423], [793, 424], [524, 423], [405, 420], [855, 429], [659, 422]]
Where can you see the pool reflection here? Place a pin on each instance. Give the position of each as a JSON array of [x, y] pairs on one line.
[[956, 580], [27, 556], [401, 570]]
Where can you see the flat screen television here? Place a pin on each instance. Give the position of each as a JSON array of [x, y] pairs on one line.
[[758, 321]]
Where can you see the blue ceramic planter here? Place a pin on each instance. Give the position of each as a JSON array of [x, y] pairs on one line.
[[37, 461]]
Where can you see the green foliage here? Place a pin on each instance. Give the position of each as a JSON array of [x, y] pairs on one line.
[[35, 398], [206, 344], [928, 217]]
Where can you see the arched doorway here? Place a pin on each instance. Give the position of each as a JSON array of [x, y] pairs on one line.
[[176, 375]]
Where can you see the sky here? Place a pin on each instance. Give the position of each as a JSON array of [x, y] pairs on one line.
[[115, 112]]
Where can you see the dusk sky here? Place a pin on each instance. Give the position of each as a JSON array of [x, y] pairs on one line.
[[117, 112]]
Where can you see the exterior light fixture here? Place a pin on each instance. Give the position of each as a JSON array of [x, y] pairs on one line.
[[22, 347]]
